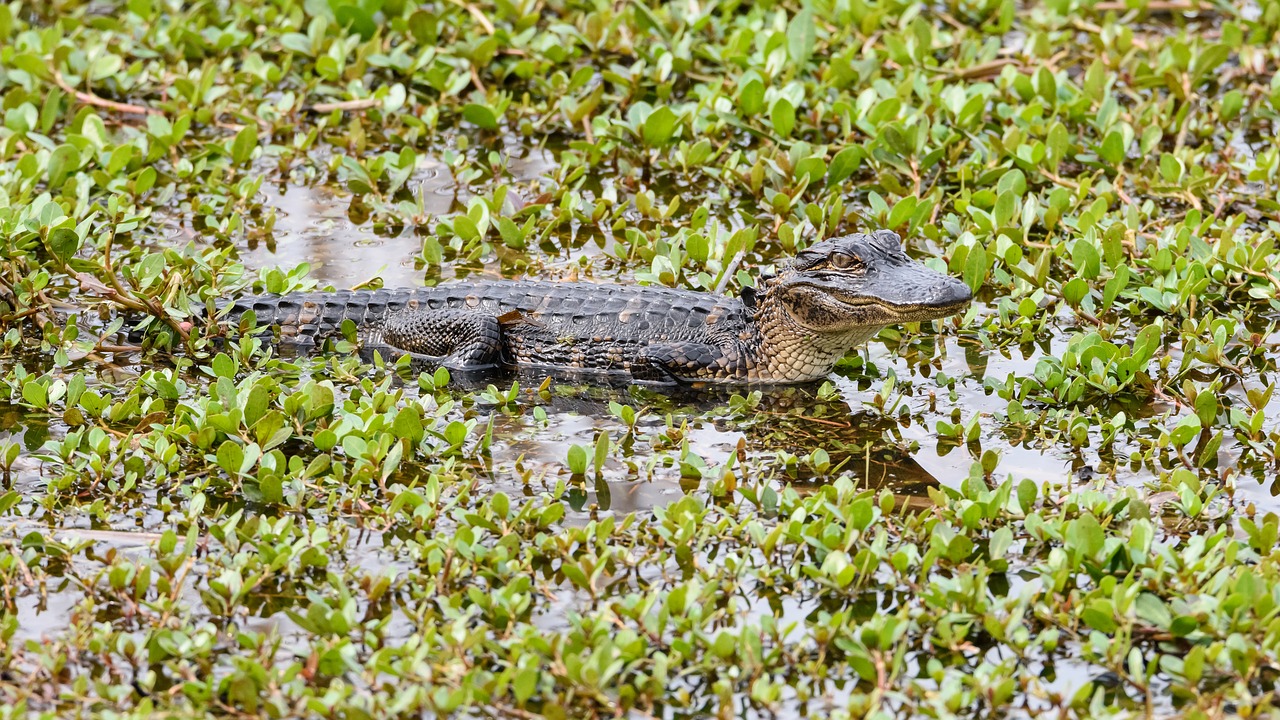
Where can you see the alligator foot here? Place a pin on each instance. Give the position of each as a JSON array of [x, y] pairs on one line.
[[454, 338]]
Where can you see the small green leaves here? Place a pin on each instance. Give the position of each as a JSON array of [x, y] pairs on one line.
[[659, 126], [801, 31], [482, 116], [783, 116], [577, 460], [844, 164], [751, 97], [64, 243], [1077, 468], [242, 147], [408, 424], [1085, 537], [63, 161], [1113, 148]]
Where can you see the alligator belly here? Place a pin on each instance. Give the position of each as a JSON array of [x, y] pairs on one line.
[[535, 347]]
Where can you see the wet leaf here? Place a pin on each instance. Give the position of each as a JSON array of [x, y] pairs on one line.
[[243, 145], [783, 117], [801, 33], [481, 116], [659, 126]]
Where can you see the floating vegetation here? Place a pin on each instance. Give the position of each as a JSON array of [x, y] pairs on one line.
[[1061, 501]]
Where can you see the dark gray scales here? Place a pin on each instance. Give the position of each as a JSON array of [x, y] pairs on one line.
[[651, 332]]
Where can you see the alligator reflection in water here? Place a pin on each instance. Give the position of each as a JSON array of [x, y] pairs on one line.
[[716, 422]]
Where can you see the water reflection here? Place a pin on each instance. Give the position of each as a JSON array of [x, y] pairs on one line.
[[770, 439], [326, 226], [313, 226]]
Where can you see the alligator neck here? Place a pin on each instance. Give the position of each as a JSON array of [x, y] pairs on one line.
[[784, 349]]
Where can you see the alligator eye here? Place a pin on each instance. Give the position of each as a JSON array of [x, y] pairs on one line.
[[843, 261]]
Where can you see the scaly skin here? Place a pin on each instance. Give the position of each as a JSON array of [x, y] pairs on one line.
[[831, 298]]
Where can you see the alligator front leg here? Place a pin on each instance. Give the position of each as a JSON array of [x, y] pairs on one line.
[[455, 338], [689, 362]]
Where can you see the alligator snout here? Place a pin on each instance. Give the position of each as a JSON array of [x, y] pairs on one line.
[[950, 293]]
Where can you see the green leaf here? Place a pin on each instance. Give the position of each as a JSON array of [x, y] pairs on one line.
[[783, 117], [602, 451], [1006, 208], [482, 116], [1146, 343], [223, 366], [1112, 149], [1185, 431], [1085, 258], [230, 456], [810, 170], [255, 404], [356, 18], [408, 424], [975, 268], [902, 212], [1209, 60], [8, 500], [1074, 291], [577, 459], [1153, 610], [1100, 615], [844, 164], [751, 98], [659, 126], [1184, 625], [64, 160], [1085, 536], [424, 26], [1027, 495], [465, 228], [1154, 297], [512, 234], [35, 394], [801, 35], [1001, 541], [64, 243], [325, 440], [242, 147]]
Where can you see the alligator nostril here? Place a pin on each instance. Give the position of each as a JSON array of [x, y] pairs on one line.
[[953, 292]]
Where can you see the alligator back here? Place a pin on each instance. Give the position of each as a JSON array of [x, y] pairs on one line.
[[567, 312]]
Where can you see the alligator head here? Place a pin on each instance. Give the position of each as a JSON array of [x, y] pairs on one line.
[[859, 283]]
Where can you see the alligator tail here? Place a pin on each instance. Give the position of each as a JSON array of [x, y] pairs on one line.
[[306, 318]]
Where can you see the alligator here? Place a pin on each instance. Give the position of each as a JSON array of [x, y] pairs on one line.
[[830, 298]]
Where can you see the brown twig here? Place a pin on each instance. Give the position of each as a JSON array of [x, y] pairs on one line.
[[346, 105], [1059, 179], [89, 98], [477, 14], [37, 314], [1155, 6], [1119, 188], [727, 274], [983, 70], [1092, 28]]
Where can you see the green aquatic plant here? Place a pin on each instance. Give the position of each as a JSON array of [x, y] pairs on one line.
[[1061, 501]]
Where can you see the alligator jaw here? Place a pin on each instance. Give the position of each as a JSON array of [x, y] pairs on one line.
[[947, 297]]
